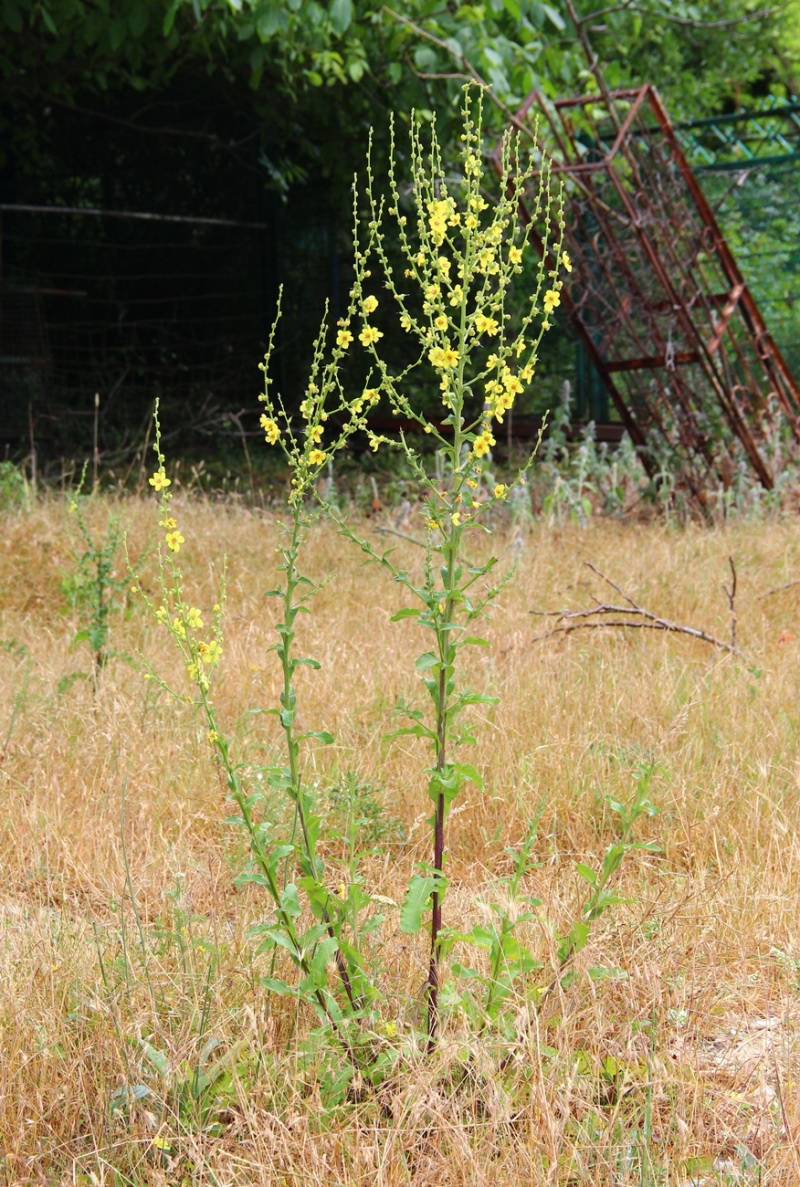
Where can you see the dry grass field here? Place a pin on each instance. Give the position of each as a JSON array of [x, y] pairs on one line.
[[126, 967]]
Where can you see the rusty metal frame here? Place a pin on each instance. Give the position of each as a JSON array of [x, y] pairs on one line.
[[656, 293]]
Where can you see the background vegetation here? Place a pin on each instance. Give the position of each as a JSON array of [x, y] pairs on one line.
[[256, 112]]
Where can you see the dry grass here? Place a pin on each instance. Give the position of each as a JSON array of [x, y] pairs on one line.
[[704, 1030]]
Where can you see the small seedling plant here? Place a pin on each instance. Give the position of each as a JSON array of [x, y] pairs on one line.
[[461, 245], [95, 588]]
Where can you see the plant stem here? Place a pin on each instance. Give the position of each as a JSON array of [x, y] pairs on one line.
[[288, 699]]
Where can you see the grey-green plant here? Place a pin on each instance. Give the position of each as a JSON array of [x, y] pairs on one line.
[[14, 488], [94, 586]]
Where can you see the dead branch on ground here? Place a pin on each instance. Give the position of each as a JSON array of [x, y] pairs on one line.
[[632, 616]]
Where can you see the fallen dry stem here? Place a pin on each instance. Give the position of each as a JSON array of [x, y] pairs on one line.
[[636, 617]]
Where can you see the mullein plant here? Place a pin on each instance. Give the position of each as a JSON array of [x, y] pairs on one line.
[[349, 1008], [462, 250]]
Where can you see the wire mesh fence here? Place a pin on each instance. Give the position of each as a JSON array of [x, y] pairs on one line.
[[130, 305]]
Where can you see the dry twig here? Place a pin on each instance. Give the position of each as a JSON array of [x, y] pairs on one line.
[[778, 589], [634, 617]]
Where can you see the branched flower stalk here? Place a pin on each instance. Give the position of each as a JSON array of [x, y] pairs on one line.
[[311, 950], [462, 248]]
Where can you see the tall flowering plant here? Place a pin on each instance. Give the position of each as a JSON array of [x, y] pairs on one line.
[[462, 247], [453, 297]]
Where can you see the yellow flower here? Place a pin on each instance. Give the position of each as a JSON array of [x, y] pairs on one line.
[[456, 518], [566, 262], [370, 395], [476, 202], [456, 295], [369, 335], [419, 259], [194, 618], [500, 491], [486, 325], [526, 374], [431, 524], [159, 481], [443, 358], [316, 457], [170, 522], [444, 265], [271, 430], [470, 222], [307, 409], [199, 677], [405, 322], [390, 1029], [315, 434], [213, 736], [511, 383], [438, 230], [210, 653], [179, 628], [441, 322], [370, 304], [174, 540], [515, 255], [433, 292], [343, 339], [551, 300], [486, 262], [483, 443]]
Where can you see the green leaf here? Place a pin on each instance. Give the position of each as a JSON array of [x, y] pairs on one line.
[[475, 641], [276, 986], [157, 1058], [445, 784], [427, 661], [466, 770], [12, 16], [408, 612], [416, 903], [412, 731], [340, 14], [321, 736], [574, 942], [554, 17], [481, 937], [587, 873], [290, 903], [137, 19], [601, 973]]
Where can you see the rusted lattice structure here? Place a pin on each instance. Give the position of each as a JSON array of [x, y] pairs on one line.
[[657, 296]]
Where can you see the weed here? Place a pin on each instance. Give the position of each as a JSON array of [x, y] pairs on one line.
[[93, 587]]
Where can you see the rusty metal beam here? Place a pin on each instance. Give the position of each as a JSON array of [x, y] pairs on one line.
[[656, 293]]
